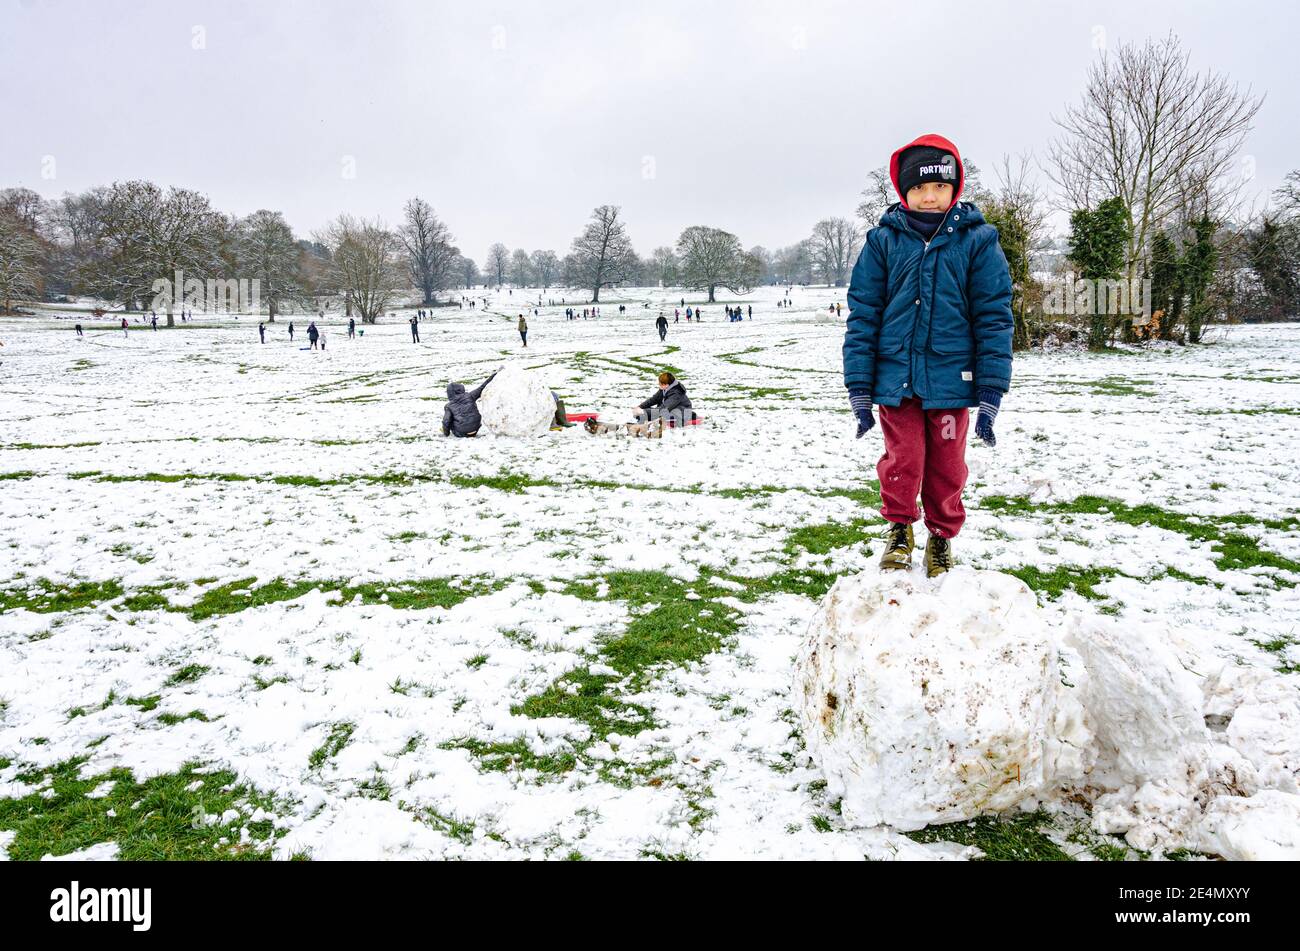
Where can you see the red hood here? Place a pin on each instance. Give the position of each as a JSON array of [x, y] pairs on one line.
[[938, 142]]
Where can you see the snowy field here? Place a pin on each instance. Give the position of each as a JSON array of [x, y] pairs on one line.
[[254, 604]]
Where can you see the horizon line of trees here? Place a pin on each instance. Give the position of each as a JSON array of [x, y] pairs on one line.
[[1147, 167]]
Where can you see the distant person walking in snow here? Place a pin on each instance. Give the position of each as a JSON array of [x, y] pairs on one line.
[[124, 333], [261, 332], [313, 334], [79, 332], [415, 330], [291, 331], [352, 328], [662, 325], [523, 329], [461, 417]]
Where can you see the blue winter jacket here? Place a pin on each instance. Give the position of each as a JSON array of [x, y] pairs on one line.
[[933, 320]]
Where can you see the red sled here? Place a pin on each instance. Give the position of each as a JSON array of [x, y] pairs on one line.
[[581, 417]]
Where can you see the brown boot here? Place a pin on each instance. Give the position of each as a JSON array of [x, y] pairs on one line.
[[938, 556], [899, 543]]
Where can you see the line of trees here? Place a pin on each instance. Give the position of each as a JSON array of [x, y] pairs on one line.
[[1147, 167]]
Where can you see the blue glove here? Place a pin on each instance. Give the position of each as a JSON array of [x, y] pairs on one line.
[[990, 400], [860, 400]]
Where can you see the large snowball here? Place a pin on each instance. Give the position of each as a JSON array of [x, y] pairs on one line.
[[931, 701], [517, 402]]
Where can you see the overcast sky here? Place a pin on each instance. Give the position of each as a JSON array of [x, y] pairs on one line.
[[515, 119]]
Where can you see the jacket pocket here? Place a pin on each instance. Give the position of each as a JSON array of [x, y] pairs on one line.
[[951, 345]]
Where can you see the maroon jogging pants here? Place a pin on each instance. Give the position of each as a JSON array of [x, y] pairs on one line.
[[925, 453]]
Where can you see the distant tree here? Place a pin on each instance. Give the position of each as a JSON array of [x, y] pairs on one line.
[[469, 273], [431, 258], [26, 207], [498, 262], [546, 267], [1019, 211], [710, 258], [365, 263], [20, 272], [147, 236], [1272, 251], [521, 268], [663, 267], [877, 196], [834, 245], [602, 254], [1148, 126], [1098, 247], [267, 252]]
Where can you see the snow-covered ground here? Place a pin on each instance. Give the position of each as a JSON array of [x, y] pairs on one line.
[[443, 606]]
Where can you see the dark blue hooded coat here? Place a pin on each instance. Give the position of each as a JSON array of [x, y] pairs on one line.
[[933, 320]]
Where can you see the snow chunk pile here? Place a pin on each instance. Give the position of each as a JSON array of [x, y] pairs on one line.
[[930, 701], [517, 403]]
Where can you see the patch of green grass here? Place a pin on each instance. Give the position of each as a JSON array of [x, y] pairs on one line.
[[171, 719], [1016, 839], [477, 661], [57, 445], [826, 537], [1065, 577], [43, 596], [186, 675], [406, 536], [241, 595], [1237, 551], [460, 830], [417, 595], [339, 735], [164, 825], [516, 754], [150, 598], [14, 476]]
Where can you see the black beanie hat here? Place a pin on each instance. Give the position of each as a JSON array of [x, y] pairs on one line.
[[925, 163]]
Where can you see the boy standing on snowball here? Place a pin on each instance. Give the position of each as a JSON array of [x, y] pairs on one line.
[[928, 336]]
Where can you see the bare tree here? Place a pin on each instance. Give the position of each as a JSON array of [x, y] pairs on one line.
[[602, 254], [834, 244], [1147, 123], [793, 265], [27, 207], [876, 197], [546, 267], [498, 262], [431, 258], [709, 258], [265, 251], [146, 236], [467, 268], [521, 268], [1287, 195], [663, 266], [1019, 210], [20, 273], [364, 262]]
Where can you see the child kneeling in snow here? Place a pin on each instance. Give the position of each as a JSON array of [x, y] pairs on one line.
[[928, 336]]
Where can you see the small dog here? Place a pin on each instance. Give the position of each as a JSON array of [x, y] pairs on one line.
[[651, 430], [654, 429]]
